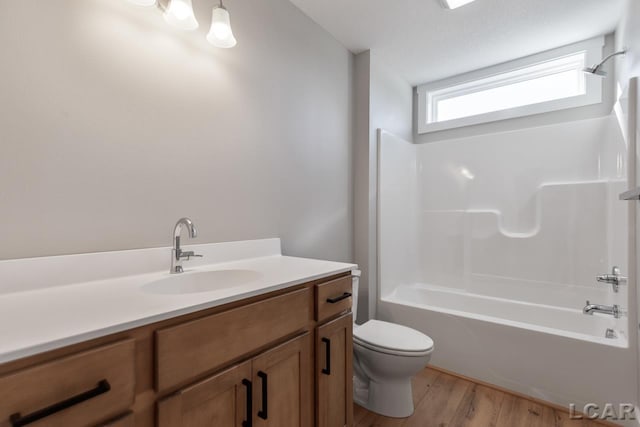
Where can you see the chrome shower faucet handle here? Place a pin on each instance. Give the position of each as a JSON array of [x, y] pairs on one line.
[[615, 279]]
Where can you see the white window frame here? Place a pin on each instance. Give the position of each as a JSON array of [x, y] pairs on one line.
[[487, 78]]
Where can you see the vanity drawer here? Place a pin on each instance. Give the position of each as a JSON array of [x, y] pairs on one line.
[[185, 351], [79, 390], [333, 298]]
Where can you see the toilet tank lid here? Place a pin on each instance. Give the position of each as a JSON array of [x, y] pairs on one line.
[[392, 336]]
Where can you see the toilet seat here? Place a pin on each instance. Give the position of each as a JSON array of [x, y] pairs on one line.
[[390, 338]]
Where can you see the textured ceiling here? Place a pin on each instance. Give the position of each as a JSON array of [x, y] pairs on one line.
[[424, 42]]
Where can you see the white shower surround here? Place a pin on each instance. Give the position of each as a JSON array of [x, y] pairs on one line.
[[491, 244]]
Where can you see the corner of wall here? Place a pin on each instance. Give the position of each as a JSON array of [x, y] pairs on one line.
[[383, 100], [361, 105]]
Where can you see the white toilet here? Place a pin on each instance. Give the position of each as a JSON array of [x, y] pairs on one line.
[[385, 358]]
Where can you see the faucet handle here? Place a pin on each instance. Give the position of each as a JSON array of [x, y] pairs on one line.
[[188, 255], [615, 279]]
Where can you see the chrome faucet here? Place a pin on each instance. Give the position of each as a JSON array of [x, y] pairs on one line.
[[615, 278], [177, 254], [613, 310]]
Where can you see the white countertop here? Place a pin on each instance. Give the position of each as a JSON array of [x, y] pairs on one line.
[[49, 317]]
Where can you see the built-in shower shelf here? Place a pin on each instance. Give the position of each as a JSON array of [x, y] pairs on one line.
[[633, 194]]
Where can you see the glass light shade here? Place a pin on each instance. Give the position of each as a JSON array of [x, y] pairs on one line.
[[221, 34], [143, 2], [180, 14]]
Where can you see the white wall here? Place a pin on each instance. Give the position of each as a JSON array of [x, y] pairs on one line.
[[382, 101], [114, 125]]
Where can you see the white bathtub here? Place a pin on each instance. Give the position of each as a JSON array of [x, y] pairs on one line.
[[548, 352], [544, 315]]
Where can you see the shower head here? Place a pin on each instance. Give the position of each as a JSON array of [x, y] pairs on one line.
[[597, 70]]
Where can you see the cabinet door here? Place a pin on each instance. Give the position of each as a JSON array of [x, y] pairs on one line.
[[222, 400], [334, 378], [282, 384]]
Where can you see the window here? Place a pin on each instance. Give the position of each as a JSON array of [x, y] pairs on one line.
[[556, 79], [546, 82]]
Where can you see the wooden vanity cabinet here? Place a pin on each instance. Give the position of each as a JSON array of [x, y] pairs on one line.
[[221, 400], [277, 360], [334, 377], [276, 387], [283, 385], [333, 298], [193, 348], [334, 353], [272, 389]]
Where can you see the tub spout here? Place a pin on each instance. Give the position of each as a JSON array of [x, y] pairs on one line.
[[613, 310]]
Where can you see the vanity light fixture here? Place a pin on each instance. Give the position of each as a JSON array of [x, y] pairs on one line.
[[454, 4], [180, 14], [220, 34]]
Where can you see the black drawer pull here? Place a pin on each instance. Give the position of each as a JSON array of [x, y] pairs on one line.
[[327, 369], [263, 413], [338, 299], [248, 385], [18, 421]]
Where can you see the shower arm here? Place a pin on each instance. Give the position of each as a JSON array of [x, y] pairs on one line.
[[604, 61]]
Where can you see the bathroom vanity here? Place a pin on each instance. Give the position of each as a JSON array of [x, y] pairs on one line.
[[275, 350]]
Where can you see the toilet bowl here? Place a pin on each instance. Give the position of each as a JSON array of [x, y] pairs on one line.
[[385, 357]]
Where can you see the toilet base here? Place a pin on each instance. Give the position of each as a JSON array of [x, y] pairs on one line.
[[394, 400]]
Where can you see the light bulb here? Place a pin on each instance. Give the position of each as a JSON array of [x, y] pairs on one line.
[[143, 2], [454, 4], [180, 14], [220, 24], [221, 34]]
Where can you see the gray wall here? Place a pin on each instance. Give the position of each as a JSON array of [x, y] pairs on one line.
[[382, 101], [113, 125], [362, 166]]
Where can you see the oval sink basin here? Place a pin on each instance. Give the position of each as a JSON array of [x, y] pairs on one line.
[[201, 281]]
